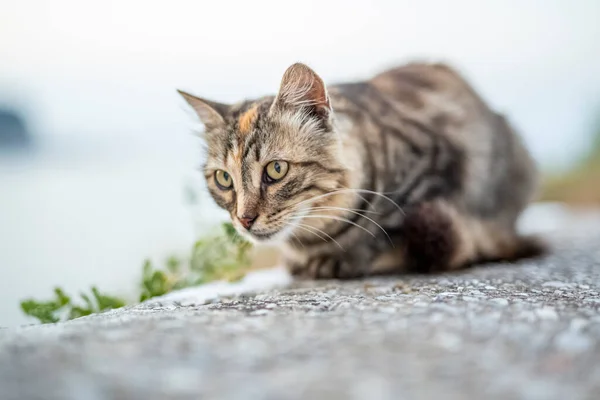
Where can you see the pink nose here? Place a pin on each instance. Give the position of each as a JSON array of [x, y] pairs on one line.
[[247, 220]]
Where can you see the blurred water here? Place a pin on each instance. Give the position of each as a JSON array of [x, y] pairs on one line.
[[75, 223]]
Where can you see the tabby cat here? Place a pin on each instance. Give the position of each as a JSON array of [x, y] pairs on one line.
[[409, 171]]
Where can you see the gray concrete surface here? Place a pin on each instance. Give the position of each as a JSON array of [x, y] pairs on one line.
[[527, 331]]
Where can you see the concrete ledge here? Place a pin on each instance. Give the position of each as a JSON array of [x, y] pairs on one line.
[[527, 331]]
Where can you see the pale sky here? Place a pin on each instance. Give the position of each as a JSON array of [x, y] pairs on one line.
[[110, 68]]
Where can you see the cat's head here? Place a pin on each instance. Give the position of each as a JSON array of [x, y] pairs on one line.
[[266, 159]]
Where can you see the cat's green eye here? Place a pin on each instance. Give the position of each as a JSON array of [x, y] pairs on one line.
[[276, 170], [223, 179]]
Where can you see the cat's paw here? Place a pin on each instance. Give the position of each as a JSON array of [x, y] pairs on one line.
[[326, 267]]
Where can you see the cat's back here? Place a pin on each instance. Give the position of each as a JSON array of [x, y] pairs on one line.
[[430, 90], [433, 95], [437, 100], [418, 77]]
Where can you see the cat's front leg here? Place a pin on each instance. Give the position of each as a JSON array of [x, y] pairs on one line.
[[330, 265]]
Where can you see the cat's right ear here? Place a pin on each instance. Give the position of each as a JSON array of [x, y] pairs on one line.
[[210, 113], [302, 89]]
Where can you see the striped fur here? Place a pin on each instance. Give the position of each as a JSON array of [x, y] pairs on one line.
[[409, 171]]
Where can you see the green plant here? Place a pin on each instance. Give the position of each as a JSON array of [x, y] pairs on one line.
[[50, 311], [45, 311], [224, 256], [221, 257]]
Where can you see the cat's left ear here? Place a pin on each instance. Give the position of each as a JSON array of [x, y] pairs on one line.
[[302, 89], [211, 113]]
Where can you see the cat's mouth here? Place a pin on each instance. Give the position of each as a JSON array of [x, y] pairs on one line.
[[274, 236], [267, 233], [258, 236], [262, 236]]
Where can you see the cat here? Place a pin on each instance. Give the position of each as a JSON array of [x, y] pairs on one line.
[[409, 171]]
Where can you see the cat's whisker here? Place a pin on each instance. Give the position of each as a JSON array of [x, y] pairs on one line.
[[306, 227], [297, 238], [337, 219], [363, 198], [368, 219], [382, 194], [351, 210], [352, 191], [327, 208], [314, 198]]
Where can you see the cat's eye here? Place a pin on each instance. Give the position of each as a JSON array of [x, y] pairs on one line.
[[276, 170], [223, 179]]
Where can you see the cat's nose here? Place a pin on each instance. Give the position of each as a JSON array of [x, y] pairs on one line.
[[247, 220]]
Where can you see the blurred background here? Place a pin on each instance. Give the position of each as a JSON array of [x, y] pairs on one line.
[[97, 160]]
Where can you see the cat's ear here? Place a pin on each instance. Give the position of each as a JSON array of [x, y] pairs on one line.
[[302, 89], [211, 113]]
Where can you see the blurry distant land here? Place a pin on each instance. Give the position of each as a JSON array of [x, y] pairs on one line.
[[580, 185], [13, 131]]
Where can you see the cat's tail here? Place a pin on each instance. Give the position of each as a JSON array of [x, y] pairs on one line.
[[518, 248], [438, 238]]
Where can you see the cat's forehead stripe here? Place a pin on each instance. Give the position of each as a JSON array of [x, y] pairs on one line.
[[247, 118]]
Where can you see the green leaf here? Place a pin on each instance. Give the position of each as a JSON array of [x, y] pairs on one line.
[[43, 311], [106, 302], [158, 284], [147, 269], [87, 301], [77, 312], [229, 230], [173, 264], [62, 298]]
